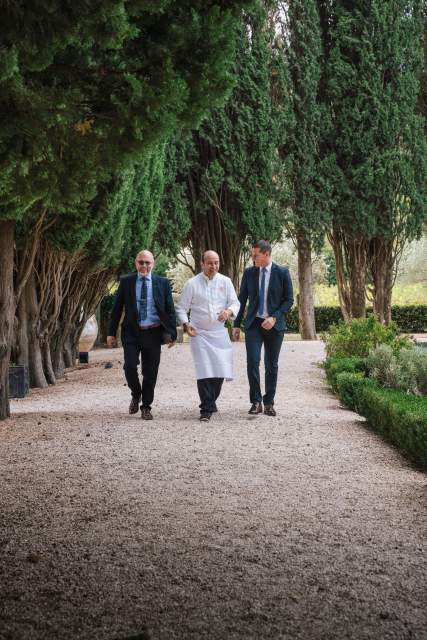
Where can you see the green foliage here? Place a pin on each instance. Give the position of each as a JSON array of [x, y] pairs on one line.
[[397, 416], [410, 319], [299, 62], [376, 147], [83, 91], [405, 370], [220, 192], [358, 337], [334, 366]]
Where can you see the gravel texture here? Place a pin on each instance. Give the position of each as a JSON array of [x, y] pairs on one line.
[[304, 526]]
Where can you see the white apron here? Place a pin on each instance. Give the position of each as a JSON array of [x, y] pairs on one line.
[[212, 353]]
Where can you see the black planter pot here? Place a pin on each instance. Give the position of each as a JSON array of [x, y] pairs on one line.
[[19, 384]]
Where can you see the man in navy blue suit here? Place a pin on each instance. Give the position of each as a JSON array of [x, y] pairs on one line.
[[149, 321], [268, 287]]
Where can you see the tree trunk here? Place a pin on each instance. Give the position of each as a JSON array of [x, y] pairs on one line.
[[351, 260], [22, 349], [68, 353], [7, 310], [58, 359], [36, 371], [357, 264], [337, 243], [47, 363], [307, 323], [382, 263]]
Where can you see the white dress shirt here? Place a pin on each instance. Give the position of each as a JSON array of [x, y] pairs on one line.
[[267, 282]]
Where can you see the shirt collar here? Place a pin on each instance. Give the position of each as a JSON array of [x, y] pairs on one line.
[[140, 276], [206, 279], [267, 268]]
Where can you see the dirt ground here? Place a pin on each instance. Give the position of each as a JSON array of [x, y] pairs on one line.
[[306, 526]]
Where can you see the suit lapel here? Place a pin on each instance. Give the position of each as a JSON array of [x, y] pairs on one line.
[[155, 286], [133, 292], [256, 272], [271, 282]]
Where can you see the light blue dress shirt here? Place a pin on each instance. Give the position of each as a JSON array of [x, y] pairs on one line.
[[152, 315]]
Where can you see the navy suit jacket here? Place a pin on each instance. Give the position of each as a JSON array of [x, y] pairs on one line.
[[279, 296], [126, 298]]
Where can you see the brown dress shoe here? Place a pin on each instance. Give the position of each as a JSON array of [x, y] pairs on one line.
[[146, 413], [255, 408], [269, 410], [134, 405]]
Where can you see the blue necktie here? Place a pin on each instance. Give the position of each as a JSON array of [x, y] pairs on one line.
[[143, 301], [262, 293]]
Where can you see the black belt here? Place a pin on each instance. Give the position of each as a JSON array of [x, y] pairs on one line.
[[150, 326]]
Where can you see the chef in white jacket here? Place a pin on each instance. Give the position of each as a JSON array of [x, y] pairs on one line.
[[211, 300]]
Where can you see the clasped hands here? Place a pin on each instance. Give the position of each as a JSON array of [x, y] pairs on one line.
[[267, 325], [223, 316]]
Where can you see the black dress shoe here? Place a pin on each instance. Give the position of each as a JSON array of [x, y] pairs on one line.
[[255, 408], [146, 413], [134, 405], [269, 410], [205, 417]]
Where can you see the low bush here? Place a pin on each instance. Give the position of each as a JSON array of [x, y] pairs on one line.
[[399, 417], [405, 370], [409, 319], [334, 366], [358, 337]]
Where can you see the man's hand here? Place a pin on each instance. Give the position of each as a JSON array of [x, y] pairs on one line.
[[190, 330], [268, 323], [224, 315], [111, 342], [171, 344], [236, 334]]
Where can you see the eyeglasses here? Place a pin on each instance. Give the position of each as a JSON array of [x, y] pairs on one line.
[[142, 262]]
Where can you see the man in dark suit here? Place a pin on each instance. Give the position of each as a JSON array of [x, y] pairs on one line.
[[149, 321], [268, 287]]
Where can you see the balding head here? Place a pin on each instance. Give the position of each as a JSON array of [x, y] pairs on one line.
[[210, 263], [144, 262]]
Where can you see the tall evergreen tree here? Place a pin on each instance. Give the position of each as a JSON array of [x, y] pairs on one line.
[[375, 147], [299, 62], [85, 90], [223, 193]]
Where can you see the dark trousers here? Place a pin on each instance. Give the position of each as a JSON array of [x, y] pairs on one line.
[[255, 338], [209, 390], [148, 346]]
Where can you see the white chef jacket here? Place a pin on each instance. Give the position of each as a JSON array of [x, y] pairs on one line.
[[211, 348]]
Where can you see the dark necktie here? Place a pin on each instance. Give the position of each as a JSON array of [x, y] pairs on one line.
[[143, 301], [262, 293]]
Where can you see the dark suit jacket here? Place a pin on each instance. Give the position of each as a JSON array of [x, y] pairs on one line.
[[126, 298], [279, 296]]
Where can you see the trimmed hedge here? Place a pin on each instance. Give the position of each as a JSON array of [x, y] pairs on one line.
[[334, 366], [410, 319], [399, 417]]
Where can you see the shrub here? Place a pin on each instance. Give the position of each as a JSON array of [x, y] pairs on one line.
[[334, 366], [358, 337], [410, 319], [405, 370], [399, 417]]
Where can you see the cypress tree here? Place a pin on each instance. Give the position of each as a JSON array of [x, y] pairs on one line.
[[299, 63], [375, 147], [85, 90], [223, 194]]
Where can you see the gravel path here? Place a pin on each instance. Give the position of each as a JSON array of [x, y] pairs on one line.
[[305, 526]]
